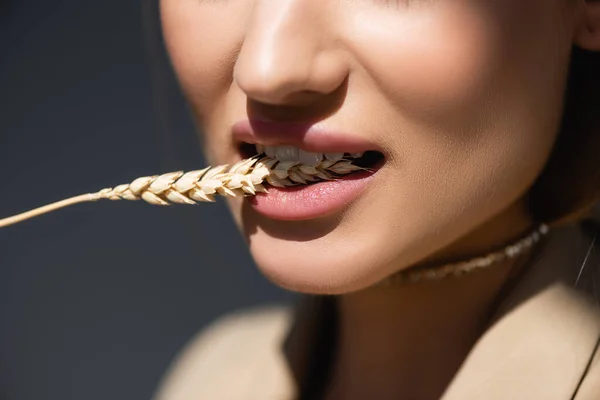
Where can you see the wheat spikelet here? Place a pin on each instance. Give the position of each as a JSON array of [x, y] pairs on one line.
[[244, 178]]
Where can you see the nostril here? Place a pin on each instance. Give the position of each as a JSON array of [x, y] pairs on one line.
[[265, 84]]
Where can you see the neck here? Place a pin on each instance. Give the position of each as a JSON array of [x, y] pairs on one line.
[[409, 341]]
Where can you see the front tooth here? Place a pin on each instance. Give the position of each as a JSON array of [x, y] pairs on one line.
[[334, 156], [259, 148], [312, 159], [270, 151], [286, 153], [357, 155]]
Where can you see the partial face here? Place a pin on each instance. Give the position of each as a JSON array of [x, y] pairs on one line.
[[462, 97]]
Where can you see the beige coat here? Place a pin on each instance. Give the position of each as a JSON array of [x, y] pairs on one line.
[[543, 344]]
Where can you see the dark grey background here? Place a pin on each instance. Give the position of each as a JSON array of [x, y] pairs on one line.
[[96, 300]]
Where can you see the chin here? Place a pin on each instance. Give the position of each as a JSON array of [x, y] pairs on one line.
[[318, 266], [321, 256]]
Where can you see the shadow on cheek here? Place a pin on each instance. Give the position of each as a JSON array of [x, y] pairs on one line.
[[293, 231]]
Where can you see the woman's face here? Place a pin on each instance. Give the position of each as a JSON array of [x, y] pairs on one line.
[[463, 98]]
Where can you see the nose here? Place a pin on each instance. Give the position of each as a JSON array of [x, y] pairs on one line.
[[289, 53]]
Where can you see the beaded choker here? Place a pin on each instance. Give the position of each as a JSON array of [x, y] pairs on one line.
[[465, 267]]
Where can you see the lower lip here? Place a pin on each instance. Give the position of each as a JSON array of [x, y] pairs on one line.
[[310, 201]]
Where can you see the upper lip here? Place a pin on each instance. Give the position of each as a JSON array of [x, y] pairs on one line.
[[306, 136]]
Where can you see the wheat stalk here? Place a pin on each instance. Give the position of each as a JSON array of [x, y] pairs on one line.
[[244, 178]]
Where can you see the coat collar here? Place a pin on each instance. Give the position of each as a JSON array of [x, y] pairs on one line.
[[545, 331], [540, 342]]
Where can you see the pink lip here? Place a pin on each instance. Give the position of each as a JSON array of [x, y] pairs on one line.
[[312, 201], [307, 201], [308, 137]]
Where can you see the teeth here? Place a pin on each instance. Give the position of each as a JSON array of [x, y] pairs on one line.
[[334, 156], [291, 153], [357, 155], [286, 153], [270, 151], [311, 159]]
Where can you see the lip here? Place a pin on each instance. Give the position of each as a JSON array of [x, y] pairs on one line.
[[312, 201], [306, 136], [316, 200]]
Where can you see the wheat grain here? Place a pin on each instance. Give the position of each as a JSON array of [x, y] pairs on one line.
[[245, 178]]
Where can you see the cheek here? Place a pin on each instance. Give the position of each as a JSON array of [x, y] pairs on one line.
[[203, 41], [472, 109], [450, 64], [470, 112], [455, 61]]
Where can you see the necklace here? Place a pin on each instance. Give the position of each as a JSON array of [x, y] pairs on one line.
[[468, 266]]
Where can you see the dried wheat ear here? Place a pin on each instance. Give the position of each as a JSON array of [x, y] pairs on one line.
[[244, 178]]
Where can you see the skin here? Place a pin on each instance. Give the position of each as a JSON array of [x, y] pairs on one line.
[[465, 99]]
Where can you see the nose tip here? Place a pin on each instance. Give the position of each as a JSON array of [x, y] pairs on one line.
[[270, 80], [264, 78], [286, 57]]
